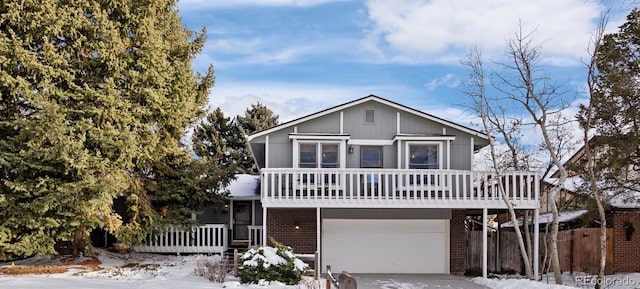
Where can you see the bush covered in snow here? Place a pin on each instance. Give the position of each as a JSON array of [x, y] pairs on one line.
[[271, 264]]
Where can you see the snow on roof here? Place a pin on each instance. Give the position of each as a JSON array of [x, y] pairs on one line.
[[571, 184], [625, 200], [629, 199], [244, 186], [547, 218]]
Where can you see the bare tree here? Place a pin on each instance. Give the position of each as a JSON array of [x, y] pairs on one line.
[[523, 86], [586, 118], [494, 119], [540, 98]]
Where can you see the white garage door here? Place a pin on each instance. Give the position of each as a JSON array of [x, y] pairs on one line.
[[386, 246]]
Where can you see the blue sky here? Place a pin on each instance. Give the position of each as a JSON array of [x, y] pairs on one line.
[[301, 56]]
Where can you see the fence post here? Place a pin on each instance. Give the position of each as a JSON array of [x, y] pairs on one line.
[[328, 286], [316, 265], [572, 247], [235, 262]]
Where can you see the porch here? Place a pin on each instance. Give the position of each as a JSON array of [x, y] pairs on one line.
[[389, 188], [208, 238]]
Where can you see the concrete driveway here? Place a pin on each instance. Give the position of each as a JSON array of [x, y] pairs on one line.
[[413, 281]]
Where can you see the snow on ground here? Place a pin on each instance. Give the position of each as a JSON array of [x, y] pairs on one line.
[[144, 271], [577, 280], [128, 271]]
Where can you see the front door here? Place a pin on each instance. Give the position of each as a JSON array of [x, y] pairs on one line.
[[370, 158], [241, 219]]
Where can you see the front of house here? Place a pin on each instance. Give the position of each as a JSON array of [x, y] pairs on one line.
[[378, 187], [371, 185]]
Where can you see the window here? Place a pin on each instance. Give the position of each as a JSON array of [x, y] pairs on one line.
[[424, 156], [308, 155], [371, 157], [369, 116], [329, 155]]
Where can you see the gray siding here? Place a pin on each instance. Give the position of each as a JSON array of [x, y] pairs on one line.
[[280, 149], [409, 214], [258, 153], [326, 124], [413, 124], [383, 128]]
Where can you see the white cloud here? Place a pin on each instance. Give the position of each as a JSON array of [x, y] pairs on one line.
[[290, 100], [448, 80], [227, 52], [205, 4], [434, 30]]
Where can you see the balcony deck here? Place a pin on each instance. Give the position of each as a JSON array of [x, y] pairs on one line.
[[396, 188]]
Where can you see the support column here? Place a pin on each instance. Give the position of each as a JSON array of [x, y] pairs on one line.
[[484, 242], [265, 242], [536, 243], [318, 246]]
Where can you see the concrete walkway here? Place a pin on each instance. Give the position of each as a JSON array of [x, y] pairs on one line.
[[413, 281]]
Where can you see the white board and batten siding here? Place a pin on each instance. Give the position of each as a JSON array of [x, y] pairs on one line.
[[386, 246]]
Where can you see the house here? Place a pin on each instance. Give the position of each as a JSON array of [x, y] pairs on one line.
[[237, 224], [374, 186], [622, 210]]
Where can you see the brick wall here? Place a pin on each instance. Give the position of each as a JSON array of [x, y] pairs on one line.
[[456, 242], [281, 226], [626, 254]]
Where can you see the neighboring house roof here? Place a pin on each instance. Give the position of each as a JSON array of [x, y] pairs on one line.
[[365, 99], [547, 218], [629, 199], [244, 187]]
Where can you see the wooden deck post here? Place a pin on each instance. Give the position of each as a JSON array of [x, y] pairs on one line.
[[316, 265], [484, 242], [536, 243]]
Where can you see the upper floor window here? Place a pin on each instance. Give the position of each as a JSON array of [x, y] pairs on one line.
[[369, 116], [308, 155], [424, 156], [319, 155]]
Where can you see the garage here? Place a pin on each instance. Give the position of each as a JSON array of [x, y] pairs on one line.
[[386, 245]]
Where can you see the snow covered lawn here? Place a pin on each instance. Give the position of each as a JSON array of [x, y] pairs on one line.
[[136, 270], [128, 271]]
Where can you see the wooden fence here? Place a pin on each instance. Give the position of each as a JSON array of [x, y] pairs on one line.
[[578, 250]]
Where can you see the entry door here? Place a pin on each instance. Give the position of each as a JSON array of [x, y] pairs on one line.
[[241, 219], [370, 157]]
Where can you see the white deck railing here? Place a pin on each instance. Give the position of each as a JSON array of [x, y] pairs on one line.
[[255, 236], [385, 188], [200, 239]]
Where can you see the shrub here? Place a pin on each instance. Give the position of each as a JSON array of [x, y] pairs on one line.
[[271, 264], [214, 269]]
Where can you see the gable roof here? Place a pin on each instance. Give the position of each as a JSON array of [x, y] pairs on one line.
[[363, 100]]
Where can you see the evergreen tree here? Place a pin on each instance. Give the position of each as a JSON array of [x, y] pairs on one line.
[[219, 137], [257, 118], [218, 143], [616, 103], [94, 98]]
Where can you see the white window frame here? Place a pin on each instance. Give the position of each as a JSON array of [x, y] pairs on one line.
[[436, 143], [341, 151]]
